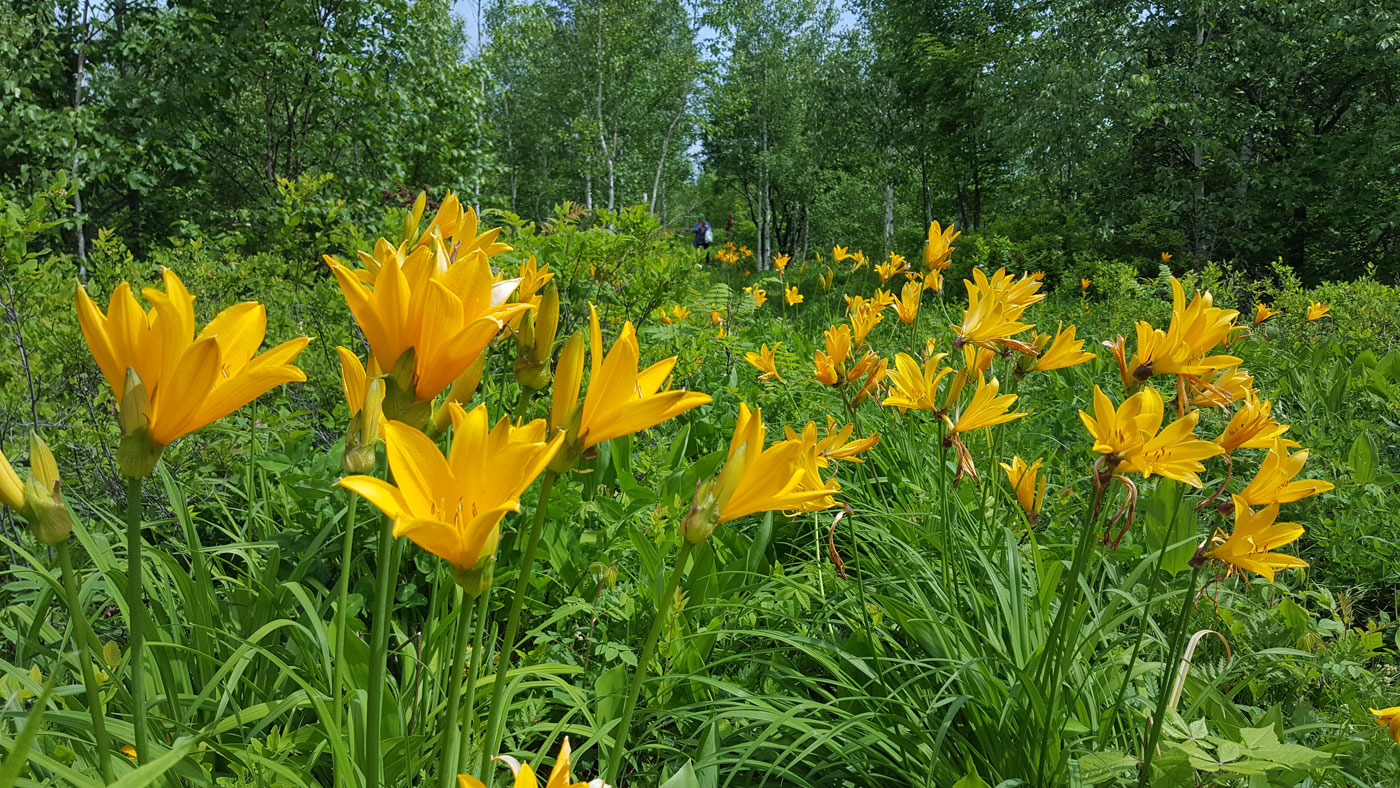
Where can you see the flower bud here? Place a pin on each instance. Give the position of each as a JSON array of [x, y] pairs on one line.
[[48, 518], [703, 516], [363, 434]]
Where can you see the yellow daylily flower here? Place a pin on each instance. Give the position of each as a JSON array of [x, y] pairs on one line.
[[839, 253], [837, 444], [1252, 427], [1084, 283], [1023, 481], [914, 387], [452, 506], [791, 296], [1195, 329], [679, 312], [831, 364], [559, 777], [888, 269], [860, 260], [1065, 351], [863, 320], [757, 479], [987, 408], [446, 310], [621, 400], [1390, 718], [780, 262], [882, 300], [938, 248], [907, 307], [1317, 311], [765, 362], [1262, 313], [169, 381], [1220, 388], [1274, 481], [1166, 257], [1175, 452], [1256, 535], [994, 308], [1132, 439], [760, 296], [716, 319]]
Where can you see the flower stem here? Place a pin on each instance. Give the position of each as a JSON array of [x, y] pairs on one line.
[[447, 763], [378, 656], [517, 601], [663, 612], [1153, 585], [1054, 651], [82, 632], [134, 617], [463, 749], [1173, 656], [342, 600]]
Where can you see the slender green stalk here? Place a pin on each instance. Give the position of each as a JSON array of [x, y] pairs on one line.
[[1052, 665], [447, 763], [464, 748], [134, 618], [1174, 651], [663, 612], [1155, 583], [522, 585], [378, 656], [342, 601], [82, 633]]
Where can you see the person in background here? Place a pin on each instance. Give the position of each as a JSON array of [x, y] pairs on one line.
[[704, 236]]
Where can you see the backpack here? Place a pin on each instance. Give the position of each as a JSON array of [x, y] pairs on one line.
[[709, 235]]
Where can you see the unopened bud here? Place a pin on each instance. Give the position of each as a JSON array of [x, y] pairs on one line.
[[703, 516], [48, 518]]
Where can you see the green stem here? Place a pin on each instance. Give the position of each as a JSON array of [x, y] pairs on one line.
[[82, 632], [1152, 587], [342, 601], [1053, 663], [378, 657], [1173, 656], [517, 601], [663, 612], [447, 764], [473, 672], [134, 618]]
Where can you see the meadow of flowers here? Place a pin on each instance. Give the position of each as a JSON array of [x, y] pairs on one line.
[[808, 522]]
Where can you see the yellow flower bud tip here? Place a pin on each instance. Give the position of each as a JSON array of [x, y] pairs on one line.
[[42, 466], [11, 488]]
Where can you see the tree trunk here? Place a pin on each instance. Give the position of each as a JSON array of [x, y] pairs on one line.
[[80, 234], [661, 162]]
